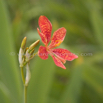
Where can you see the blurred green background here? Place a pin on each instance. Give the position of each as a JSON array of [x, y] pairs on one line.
[[82, 81]]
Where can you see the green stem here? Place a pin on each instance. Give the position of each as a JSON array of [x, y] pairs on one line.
[[28, 60], [22, 74], [23, 78], [25, 94]]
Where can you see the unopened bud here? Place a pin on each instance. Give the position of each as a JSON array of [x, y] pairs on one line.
[[28, 55], [31, 52], [32, 46], [23, 43], [28, 75], [21, 54], [26, 49]]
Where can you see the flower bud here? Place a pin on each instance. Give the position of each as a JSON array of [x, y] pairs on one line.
[[21, 54], [31, 52], [28, 75], [32, 46], [23, 43], [27, 55]]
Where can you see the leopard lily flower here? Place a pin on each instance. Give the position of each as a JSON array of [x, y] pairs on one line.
[[59, 55]]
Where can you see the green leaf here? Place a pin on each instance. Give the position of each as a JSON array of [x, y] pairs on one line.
[[9, 71], [94, 79], [73, 89], [97, 23], [5, 95], [41, 79]]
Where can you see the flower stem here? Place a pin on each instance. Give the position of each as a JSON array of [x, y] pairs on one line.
[[22, 74], [25, 94], [27, 78], [29, 59]]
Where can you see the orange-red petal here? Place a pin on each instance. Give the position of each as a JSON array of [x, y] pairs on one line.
[[58, 62], [43, 38], [61, 59], [65, 54], [42, 52], [58, 37], [45, 27]]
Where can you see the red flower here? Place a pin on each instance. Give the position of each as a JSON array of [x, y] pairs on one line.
[[59, 55]]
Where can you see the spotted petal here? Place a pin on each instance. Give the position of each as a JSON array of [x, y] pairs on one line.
[[58, 62], [65, 54], [45, 27], [43, 38], [58, 37], [42, 52]]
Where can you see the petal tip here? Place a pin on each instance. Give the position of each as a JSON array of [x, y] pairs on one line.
[[58, 62], [38, 30], [64, 67], [41, 16], [64, 28], [76, 56]]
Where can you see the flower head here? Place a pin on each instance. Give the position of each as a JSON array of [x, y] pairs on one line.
[[59, 55]]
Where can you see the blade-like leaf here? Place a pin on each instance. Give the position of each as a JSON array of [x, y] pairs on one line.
[[5, 94], [41, 79], [97, 23], [73, 89], [9, 73], [94, 78]]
